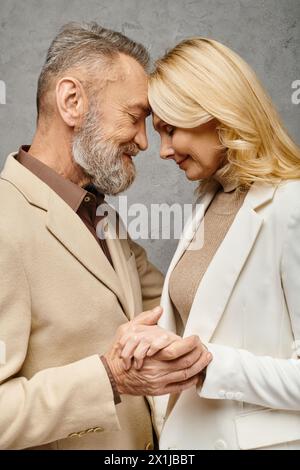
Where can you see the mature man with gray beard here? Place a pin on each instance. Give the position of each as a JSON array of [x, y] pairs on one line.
[[67, 295]]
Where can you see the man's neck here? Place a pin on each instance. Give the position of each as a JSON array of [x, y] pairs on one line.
[[55, 152]]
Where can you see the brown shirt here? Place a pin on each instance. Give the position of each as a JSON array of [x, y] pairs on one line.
[[83, 201]]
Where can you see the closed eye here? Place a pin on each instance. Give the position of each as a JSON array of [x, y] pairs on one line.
[[169, 130], [134, 118]]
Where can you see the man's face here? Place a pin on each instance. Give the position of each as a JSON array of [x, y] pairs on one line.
[[114, 129]]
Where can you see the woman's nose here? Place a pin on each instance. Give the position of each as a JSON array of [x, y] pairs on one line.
[[166, 151]]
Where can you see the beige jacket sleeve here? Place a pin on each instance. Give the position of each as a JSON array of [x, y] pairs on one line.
[[55, 402], [151, 278]]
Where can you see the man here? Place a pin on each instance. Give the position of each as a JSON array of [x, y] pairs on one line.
[[66, 295]]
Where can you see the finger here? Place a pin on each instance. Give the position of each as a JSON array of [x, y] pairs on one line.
[[185, 374], [177, 366], [184, 362], [179, 387], [128, 351], [161, 343], [139, 354], [123, 340], [150, 317], [179, 348]]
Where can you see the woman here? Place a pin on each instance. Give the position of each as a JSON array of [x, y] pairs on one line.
[[240, 291]]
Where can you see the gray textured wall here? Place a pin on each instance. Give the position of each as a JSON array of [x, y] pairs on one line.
[[264, 32]]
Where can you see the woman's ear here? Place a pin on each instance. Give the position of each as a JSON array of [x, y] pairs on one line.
[[71, 101]]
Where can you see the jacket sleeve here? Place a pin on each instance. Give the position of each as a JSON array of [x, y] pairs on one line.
[[151, 278], [55, 402], [237, 374]]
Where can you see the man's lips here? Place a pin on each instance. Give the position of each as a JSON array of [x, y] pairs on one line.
[[130, 155]]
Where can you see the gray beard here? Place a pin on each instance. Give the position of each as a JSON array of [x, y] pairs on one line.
[[102, 160]]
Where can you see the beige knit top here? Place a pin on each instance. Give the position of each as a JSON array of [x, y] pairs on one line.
[[193, 264]]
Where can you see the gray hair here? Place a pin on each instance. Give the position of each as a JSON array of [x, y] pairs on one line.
[[85, 45]]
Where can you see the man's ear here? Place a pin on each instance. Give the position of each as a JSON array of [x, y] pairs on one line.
[[71, 101]]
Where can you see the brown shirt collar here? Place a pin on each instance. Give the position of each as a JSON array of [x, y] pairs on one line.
[[70, 192]]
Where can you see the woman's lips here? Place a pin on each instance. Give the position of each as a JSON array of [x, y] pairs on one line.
[[179, 163]]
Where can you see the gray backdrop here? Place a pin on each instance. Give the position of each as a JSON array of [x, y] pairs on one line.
[[264, 32]]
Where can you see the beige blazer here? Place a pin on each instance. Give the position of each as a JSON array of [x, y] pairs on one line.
[[60, 305], [247, 311]]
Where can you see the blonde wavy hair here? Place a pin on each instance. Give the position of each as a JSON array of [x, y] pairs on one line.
[[200, 80]]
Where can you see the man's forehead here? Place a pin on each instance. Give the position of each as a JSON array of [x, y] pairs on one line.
[[129, 68], [141, 104]]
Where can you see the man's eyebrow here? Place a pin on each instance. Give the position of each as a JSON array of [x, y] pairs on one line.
[[146, 109]]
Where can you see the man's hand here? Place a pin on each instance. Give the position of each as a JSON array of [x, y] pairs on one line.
[[171, 370]]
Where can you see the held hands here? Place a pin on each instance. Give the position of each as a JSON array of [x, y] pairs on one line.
[[162, 361], [142, 338]]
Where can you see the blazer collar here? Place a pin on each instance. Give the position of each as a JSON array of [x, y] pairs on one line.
[[66, 226], [35, 191]]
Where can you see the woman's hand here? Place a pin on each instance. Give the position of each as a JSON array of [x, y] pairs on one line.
[[142, 341], [142, 337]]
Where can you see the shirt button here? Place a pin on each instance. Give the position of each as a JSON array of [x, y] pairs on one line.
[[87, 199], [220, 445]]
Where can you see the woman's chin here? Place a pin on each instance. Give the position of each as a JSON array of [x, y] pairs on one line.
[[192, 176]]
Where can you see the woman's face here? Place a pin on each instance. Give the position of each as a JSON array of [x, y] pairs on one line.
[[196, 151]]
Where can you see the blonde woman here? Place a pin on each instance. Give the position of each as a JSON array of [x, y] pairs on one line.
[[240, 291]]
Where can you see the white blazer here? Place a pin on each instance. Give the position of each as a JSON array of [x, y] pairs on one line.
[[247, 311]]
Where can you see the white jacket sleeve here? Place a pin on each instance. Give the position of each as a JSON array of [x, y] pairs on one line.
[[237, 374]]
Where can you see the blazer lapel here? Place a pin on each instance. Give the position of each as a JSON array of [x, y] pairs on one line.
[[220, 278], [167, 319], [66, 226], [121, 269]]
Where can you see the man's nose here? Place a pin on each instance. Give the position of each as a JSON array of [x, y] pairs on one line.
[[141, 138]]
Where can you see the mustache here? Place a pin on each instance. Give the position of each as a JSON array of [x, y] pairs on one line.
[[130, 149]]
